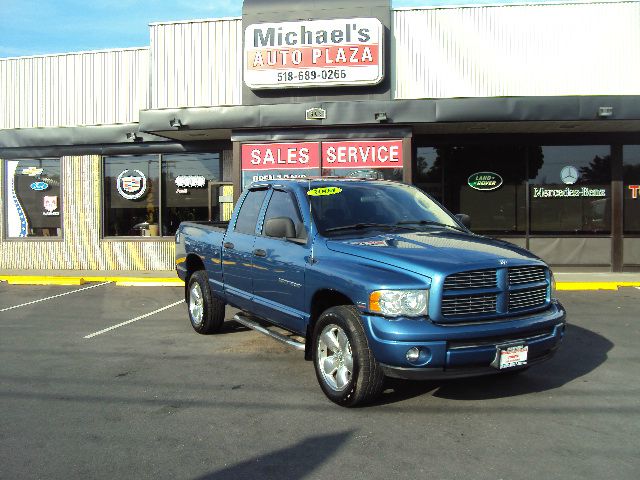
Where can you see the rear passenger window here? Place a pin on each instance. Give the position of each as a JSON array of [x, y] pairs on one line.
[[248, 216], [282, 204]]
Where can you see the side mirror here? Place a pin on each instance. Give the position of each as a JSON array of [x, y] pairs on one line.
[[464, 219], [280, 227]]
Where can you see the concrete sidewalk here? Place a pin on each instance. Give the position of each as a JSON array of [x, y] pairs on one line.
[[168, 278], [151, 278]]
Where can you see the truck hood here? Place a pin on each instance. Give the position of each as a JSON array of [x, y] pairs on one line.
[[435, 252]]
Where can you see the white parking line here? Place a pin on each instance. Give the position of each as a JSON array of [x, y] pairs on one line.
[[53, 296], [133, 320]]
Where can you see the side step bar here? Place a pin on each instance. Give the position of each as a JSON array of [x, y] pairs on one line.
[[247, 322]]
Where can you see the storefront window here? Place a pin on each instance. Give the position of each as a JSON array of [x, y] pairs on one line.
[[33, 198], [428, 172], [486, 182], [131, 195], [631, 180], [191, 188], [570, 189]]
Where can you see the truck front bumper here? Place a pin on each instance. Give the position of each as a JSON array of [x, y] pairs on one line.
[[461, 350]]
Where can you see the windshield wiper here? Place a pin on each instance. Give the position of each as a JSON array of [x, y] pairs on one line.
[[429, 222], [359, 226]]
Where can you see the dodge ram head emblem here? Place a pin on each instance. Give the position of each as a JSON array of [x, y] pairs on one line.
[[503, 262]]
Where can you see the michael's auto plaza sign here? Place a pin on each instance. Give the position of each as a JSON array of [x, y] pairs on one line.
[[315, 53]]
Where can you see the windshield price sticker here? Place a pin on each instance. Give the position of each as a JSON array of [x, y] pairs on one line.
[[318, 53], [324, 191]]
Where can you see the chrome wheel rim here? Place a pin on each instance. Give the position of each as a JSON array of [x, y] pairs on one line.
[[196, 304], [335, 358]]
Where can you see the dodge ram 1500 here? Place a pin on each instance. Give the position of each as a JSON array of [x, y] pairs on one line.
[[370, 278]]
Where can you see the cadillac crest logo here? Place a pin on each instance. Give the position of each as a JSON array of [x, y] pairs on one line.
[[131, 186]]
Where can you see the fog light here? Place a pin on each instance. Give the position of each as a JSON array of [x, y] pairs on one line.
[[413, 354]]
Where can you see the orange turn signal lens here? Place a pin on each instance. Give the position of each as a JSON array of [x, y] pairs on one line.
[[374, 302]]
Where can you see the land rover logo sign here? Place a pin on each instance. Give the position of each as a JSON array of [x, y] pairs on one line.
[[485, 181], [131, 186]]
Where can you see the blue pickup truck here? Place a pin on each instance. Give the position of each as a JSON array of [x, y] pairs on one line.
[[372, 279]]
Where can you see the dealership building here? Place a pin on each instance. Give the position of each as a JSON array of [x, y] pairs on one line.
[[525, 117]]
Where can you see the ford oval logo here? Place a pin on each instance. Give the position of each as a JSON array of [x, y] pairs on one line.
[[39, 186], [485, 181]]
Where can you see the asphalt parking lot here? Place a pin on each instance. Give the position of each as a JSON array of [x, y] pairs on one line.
[[152, 399]]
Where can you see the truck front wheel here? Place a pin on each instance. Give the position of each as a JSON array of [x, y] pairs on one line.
[[346, 369], [205, 313]]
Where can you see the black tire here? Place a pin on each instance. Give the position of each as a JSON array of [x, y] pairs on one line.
[[364, 382], [205, 313]]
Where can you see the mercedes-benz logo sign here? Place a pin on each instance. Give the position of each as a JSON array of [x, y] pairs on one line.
[[132, 186], [569, 175]]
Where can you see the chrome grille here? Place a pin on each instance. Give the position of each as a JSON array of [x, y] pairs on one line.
[[518, 275], [527, 298], [469, 305], [472, 279]]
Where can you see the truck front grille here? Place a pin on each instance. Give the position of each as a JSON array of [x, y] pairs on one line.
[[519, 275], [472, 279], [493, 293], [469, 305], [534, 297]]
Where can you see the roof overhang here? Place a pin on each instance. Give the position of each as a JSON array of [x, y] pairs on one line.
[[460, 115]]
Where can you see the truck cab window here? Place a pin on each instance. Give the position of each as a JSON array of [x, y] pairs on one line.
[[282, 204], [248, 215]]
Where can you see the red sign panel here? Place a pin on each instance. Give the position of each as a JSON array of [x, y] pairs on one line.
[[367, 153], [309, 57], [281, 156]]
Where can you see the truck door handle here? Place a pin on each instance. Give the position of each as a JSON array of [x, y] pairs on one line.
[[260, 253], [228, 245]]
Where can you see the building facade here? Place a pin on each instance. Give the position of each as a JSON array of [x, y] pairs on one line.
[[525, 117]]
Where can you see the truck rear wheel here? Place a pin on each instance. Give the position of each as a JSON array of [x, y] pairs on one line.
[[205, 313], [346, 369]]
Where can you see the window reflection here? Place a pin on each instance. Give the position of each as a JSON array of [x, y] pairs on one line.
[[501, 210], [131, 195], [33, 198], [570, 192], [631, 181], [186, 179]]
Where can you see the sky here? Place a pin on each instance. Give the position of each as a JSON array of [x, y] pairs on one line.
[[37, 27]]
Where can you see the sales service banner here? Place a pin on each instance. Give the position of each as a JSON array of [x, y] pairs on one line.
[[370, 159], [272, 161], [314, 53], [362, 154]]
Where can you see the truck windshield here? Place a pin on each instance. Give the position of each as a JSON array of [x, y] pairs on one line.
[[344, 207]]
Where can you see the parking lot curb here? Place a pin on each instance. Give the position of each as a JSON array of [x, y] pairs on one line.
[[118, 281], [19, 280], [577, 286]]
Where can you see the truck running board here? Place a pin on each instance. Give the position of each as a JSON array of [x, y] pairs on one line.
[[247, 322]]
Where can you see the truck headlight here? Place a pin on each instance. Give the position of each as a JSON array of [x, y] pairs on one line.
[[399, 303], [553, 284]]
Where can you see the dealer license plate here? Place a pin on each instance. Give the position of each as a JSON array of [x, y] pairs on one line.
[[510, 356]]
